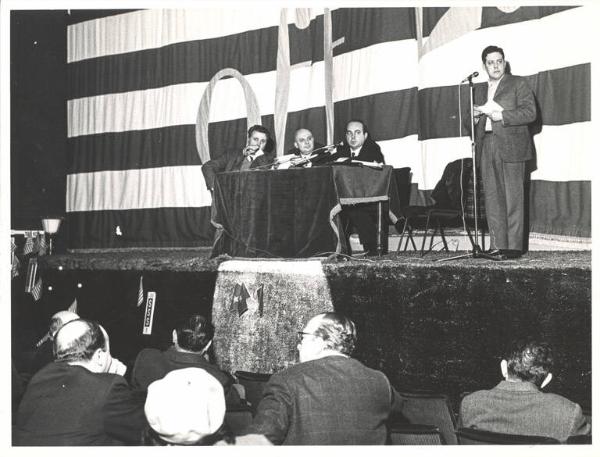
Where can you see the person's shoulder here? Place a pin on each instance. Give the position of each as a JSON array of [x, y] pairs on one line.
[[558, 400], [148, 354]]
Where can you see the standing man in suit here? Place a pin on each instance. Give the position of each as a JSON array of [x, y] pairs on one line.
[[503, 112], [80, 399], [257, 152], [518, 406], [329, 397], [358, 145]]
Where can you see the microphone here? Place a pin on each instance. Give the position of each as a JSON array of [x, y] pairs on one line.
[[328, 146], [475, 74]]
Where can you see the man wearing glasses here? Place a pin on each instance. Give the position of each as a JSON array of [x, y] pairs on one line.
[[328, 398]]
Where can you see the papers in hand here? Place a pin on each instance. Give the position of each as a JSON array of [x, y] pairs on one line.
[[369, 164], [489, 107]]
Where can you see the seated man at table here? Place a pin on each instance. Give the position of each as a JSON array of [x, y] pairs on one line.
[[258, 152], [518, 406], [358, 145]]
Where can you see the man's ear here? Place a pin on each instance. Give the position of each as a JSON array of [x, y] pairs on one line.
[[546, 380], [366, 135], [504, 368], [99, 360], [174, 336]]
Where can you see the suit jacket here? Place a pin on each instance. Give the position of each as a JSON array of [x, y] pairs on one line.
[[68, 405], [370, 152], [520, 408], [231, 162], [512, 138], [333, 400], [152, 364]]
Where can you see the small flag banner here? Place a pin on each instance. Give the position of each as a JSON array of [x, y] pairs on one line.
[[149, 313], [36, 291], [140, 299], [41, 243], [73, 306], [259, 298], [31, 274], [239, 298], [28, 247]]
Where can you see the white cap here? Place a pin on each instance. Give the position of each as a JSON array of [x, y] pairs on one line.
[[185, 406]]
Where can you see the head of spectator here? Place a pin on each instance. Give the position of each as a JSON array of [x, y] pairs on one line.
[[327, 334], [259, 141], [529, 361], [59, 319], [193, 334], [304, 141], [186, 407], [494, 62], [85, 343], [357, 134]]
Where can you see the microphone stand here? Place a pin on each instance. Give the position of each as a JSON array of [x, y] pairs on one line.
[[476, 252]]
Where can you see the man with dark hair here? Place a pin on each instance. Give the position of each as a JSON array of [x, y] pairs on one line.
[[503, 111], [257, 152], [192, 338], [358, 145], [81, 399], [518, 406], [328, 398]]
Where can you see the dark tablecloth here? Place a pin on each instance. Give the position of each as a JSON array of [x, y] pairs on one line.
[[293, 213]]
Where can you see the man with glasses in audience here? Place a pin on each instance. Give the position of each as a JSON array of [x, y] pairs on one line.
[[329, 397]]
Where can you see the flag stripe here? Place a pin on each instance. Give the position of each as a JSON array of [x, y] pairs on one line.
[[493, 17], [135, 189], [165, 227], [462, 56]]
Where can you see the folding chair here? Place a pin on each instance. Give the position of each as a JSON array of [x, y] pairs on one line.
[[238, 418], [431, 409], [475, 436], [254, 384], [414, 434]]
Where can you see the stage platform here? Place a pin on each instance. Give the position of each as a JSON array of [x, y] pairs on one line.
[[429, 325]]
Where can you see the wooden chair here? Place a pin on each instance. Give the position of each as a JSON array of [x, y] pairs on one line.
[[254, 384], [431, 409], [414, 434], [475, 436]]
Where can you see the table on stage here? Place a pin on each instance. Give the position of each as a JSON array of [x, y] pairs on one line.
[[294, 213]]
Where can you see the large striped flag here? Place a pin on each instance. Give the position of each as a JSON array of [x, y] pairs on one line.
[[155, 93]]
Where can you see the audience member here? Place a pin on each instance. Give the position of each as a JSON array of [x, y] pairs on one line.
[[43, 354], [518, 406], [81, 399], [186, 407], [358, 145], [328, 398], [257, 152], [192, 337]]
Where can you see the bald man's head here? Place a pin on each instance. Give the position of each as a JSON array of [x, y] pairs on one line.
[[78, 340], [60, 319]]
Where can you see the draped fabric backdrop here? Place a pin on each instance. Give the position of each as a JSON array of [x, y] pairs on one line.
[[137, 136]]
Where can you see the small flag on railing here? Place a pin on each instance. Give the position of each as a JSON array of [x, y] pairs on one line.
[[15, 263], [73, 307], [140, 299], [28, 247], [36, 291], [240, 295], [41, 242]]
